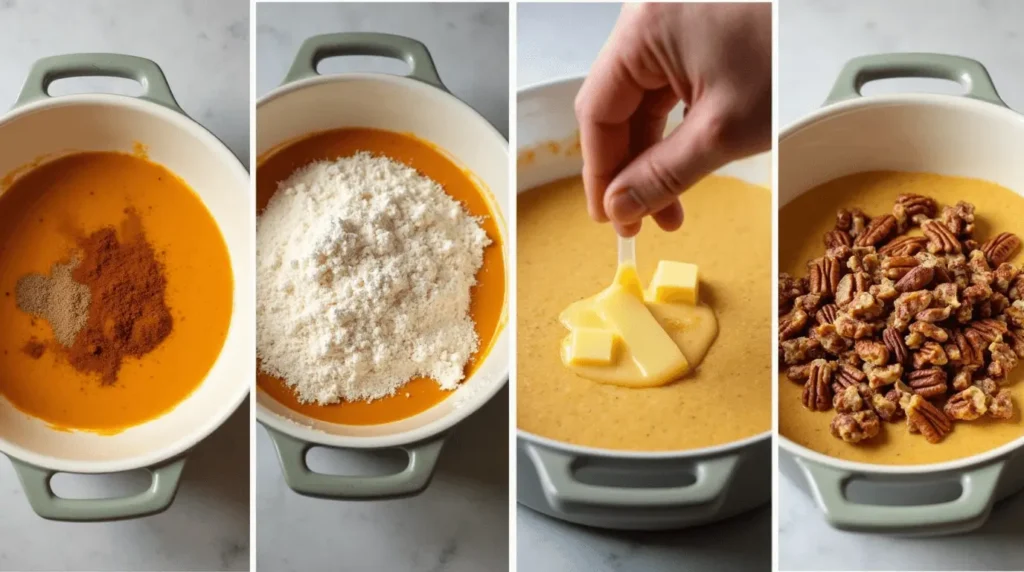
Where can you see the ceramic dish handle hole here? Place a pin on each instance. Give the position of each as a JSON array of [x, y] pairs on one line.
[[319, 48], [157, 494], [72, 486], [962, 512], [411, 479], [141, 71]]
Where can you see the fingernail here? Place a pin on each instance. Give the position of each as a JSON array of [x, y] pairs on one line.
[[625, 207]]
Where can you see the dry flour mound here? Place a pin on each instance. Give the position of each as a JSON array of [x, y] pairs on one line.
[[364, 275]]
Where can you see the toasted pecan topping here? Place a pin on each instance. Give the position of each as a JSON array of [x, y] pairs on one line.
[[1001, 248], [855, 427]]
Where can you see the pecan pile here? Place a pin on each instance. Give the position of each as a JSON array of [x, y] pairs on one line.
[[906, 316]]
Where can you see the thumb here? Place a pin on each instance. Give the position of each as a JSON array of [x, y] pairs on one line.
[[654, 179]]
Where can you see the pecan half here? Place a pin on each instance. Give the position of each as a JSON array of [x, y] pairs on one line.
[[884, 375], [817, 394], [989, 330], [855, 427], [798, 373], [927, 419], [930, 353], [824, 274], [968, 405], [940, 238], [928, 383], [792, 324], [916, 279], [1001, 405], [1001, 248], [914, 208], [847, 375], [827, 314], [904, 246], [894, 343], [837, 238], [878, 230], [972, 347], [896, 267]]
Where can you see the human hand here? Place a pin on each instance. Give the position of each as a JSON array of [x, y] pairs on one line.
[[717, 60]]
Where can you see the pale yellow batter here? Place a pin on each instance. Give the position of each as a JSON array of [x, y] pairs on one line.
[[563, 257], [803, 222]]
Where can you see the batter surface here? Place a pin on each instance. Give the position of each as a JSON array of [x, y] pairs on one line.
[[563, 256], [801, 226]]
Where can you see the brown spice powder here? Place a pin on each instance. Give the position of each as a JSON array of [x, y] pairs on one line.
[[128, 316]]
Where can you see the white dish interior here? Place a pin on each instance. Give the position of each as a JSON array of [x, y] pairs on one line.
[[69, 124]]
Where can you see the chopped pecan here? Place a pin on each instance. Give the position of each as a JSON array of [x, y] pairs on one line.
[[886, 408], [1005, 274], [999, 303], [855, 427], [827, 314], [792, 324], [789, 289], [850, 357], [916, 279], [968, 405], [800, 350], [959, 271], [1016, 291], [930, 353], [896, 267], [864, 259], [913, 208], [894, 343], [940, 238], [884, 290], [865, 307], [853, 221], [817, 394], [808, 303], [928, 383], [914, 340], [1015, 339], [904, 246], [946, 295], [872, 352], [926, 419], [1004, 359], [981, 272], [835, 238], [848, 400], [929, 330], [1001, 405], [964, 377], [959, 219], [884, 375], [830, 339], [1001, 248], [824, 275], [933, 315], [988, 385], [852, 328], [907, 306], [1015, 314], [878, 230]]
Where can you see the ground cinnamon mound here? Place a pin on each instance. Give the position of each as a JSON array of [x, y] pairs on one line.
[[128, 314]]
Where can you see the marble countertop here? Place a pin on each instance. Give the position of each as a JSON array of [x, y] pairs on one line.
[[815, 38], [557, 41], [460, 523], [203, 49]]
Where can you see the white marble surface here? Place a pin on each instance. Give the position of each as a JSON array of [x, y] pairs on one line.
[[815, 38], [558, 40], [460, 523], [204, 50]]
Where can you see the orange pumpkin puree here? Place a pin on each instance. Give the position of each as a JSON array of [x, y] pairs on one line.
[[488, 296], [41, 214]]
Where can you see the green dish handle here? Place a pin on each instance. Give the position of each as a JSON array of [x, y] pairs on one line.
[[967, 72], [36, 482], [962, 514], [47, 70], [409, 482], [317, 48], [564, 491]]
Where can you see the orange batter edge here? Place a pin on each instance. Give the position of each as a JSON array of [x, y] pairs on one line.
[[488, 306], [40, 203]]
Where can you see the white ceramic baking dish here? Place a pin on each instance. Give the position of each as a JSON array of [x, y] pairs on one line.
[[41, 126], [972, 136], [622, 489], [307, 103]]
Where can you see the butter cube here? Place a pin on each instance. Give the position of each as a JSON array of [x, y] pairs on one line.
[[591, 346], [657, 357], [674, 282]]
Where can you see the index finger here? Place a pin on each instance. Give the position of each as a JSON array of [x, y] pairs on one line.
[[608, 98]]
